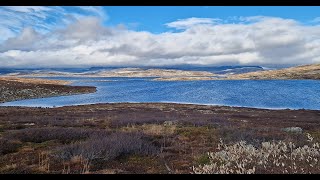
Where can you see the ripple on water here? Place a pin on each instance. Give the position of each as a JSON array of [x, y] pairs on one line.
[[271, 94]]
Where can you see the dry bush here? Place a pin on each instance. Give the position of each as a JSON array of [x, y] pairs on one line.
[[272, 157], [158, 130], [77, 164], [152, 129], [44, 162]]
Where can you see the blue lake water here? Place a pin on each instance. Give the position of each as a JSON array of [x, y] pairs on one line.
[[270, 94]]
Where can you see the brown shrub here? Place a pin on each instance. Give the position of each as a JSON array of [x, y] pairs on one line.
[[8, 146], [108, 147]]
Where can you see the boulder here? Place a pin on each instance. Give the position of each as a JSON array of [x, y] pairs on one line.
[[293, 129]]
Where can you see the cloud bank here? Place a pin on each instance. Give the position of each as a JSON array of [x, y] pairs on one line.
[[86, 42]]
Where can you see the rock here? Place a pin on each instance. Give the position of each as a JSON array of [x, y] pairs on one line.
[[170, 123], [293, 129]]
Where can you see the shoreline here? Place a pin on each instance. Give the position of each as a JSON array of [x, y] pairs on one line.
[[60, 89], [311, 71], [237, 77], [156, 103]]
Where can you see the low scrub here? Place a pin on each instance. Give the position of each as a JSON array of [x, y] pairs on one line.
[[108, 147], [277, 157], [255, 136], [130, 122], [7, 146], [182, 121], [38, 135]]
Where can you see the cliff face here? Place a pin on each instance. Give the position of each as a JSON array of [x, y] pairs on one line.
[[299, 72]]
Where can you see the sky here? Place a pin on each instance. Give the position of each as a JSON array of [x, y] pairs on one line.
[[88, 36]]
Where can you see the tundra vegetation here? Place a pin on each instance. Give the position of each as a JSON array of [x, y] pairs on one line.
[[278, 157], [158, 138]]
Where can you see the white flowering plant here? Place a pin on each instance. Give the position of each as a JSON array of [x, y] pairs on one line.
[[276, 157]]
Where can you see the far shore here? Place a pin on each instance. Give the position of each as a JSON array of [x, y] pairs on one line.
[[299, 72]]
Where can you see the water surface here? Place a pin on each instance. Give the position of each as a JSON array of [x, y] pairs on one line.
[[271, 94]]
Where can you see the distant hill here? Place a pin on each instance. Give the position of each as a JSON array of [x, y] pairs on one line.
[[299, 72], [220, 70]]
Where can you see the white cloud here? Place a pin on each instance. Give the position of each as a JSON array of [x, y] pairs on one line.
[[28, 9], [24, 41], [316, 20], [96, 10], [5, 33], [86, 28], [13, 19], [190, 22], [86, 42]]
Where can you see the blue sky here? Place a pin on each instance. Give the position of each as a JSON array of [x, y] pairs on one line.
[[37, 36], [153, 18]]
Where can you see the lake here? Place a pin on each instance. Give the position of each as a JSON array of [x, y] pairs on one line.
[[269, 94]]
